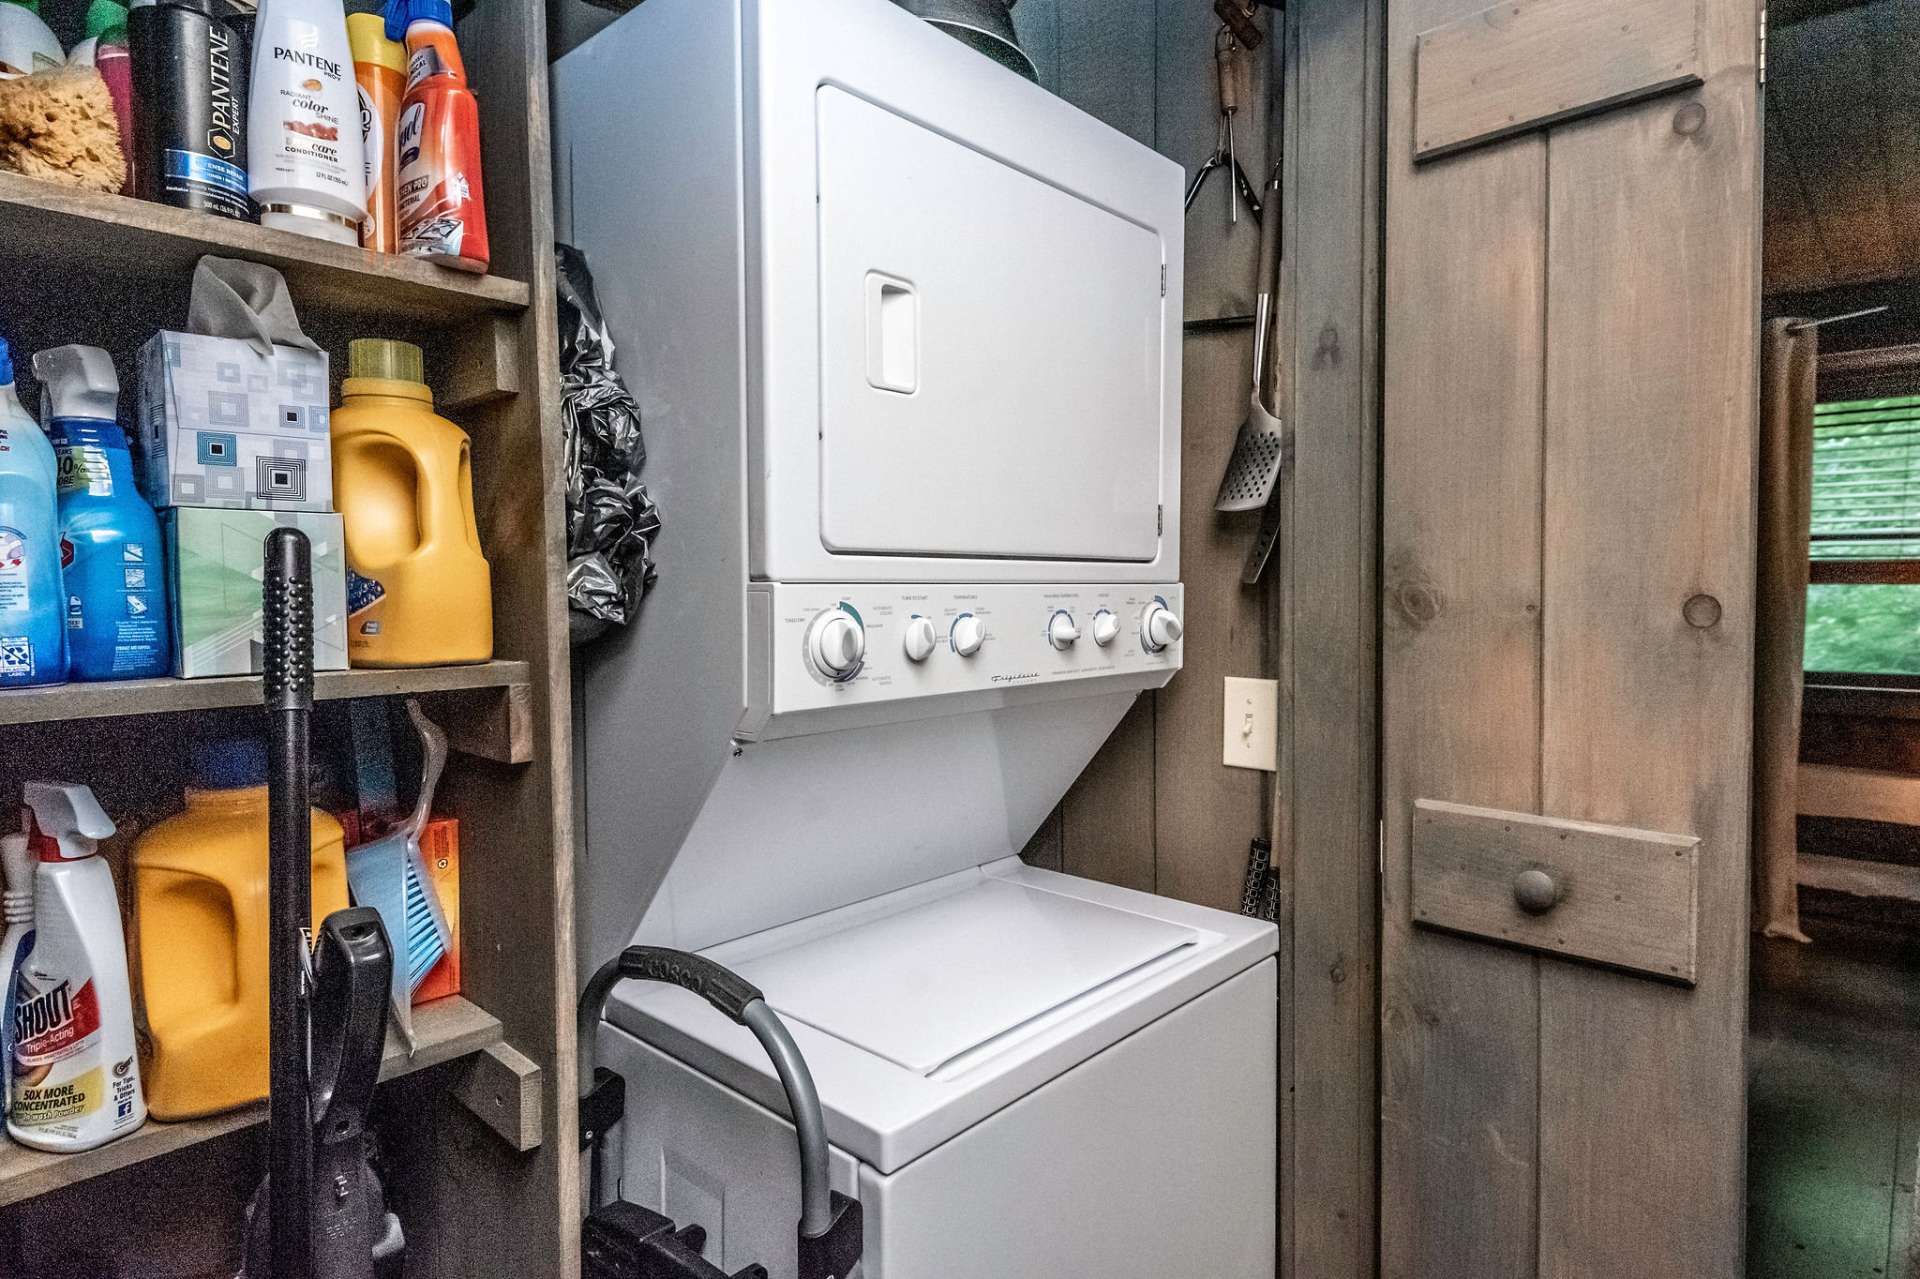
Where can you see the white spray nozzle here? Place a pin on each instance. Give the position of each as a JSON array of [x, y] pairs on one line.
[[79, 382], [69, 816]]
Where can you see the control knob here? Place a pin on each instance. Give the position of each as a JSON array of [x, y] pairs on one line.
[[1159, 627], [837, 643], [920, 638], [969, 633], [1105, 627], [1061, 632]]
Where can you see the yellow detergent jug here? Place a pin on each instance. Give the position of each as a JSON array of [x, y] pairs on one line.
[[419, 592], [200, 924]]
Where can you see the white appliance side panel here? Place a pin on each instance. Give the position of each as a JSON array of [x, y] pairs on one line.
[[700, 1152], [990, 354], [806, 824], [660, 698], [877, 52], [1157, 1158]]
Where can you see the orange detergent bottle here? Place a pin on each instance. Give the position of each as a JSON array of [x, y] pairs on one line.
[[200, 923], [419, 592]]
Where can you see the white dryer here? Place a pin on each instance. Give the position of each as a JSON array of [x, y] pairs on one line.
[[905, 329]]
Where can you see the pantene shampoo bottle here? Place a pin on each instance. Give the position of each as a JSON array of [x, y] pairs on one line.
[[305, 165], [419, 592], [199, 890], [76, 1075]]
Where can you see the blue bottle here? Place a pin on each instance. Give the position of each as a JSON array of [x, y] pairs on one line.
[[33, 633], [109, 537]]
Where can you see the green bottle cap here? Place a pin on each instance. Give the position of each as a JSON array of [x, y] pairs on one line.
[[387, 359], [103, 16]]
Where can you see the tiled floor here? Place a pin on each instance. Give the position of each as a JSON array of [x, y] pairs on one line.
[[1834, 1111]]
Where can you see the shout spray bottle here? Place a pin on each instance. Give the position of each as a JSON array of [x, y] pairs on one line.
[[16, 943], [76, 1074], [441, 206]]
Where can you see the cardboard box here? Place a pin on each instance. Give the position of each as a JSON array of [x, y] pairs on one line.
[[222, 425], [440, 848], [213, 583]]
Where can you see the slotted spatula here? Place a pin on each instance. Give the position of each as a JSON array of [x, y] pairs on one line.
[[1261, 449]]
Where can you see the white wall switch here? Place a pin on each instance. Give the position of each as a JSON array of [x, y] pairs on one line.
[[1252, 728]]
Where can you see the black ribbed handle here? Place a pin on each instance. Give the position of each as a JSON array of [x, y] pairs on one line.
[[287, 602], [725, 989]]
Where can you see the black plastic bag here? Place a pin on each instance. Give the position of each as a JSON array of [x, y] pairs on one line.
[[611, 522]]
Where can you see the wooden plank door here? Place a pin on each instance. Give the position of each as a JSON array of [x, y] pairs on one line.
[[1571, 317]]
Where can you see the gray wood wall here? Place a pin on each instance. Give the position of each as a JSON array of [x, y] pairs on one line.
[[1157, 810]]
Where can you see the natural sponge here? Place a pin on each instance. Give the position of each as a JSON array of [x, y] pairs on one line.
[[59, 125]]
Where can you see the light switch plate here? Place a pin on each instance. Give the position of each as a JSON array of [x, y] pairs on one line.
[[1250, 736]]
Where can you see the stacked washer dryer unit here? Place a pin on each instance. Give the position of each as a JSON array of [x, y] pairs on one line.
[[906, 332]]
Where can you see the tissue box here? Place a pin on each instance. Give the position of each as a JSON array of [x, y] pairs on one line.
[[214, 587], [222, 425]]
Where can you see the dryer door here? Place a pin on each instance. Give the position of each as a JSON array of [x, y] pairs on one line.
[[991, 353]]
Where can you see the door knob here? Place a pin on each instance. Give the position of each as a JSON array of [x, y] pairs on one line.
[[1535, 891]]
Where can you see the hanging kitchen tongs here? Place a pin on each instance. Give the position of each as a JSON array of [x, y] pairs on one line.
[[321, 1213], [1231, 67]]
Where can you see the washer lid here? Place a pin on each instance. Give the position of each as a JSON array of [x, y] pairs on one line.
[[921, 987]]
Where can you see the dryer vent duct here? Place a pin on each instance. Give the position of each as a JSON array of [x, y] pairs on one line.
[[987, 25]]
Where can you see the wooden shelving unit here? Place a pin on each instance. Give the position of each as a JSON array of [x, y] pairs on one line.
[[171, 696], [443, 1030], [137, 240], [483, 1156]]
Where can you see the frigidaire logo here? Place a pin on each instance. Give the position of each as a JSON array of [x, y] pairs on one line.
[[1015, 679]]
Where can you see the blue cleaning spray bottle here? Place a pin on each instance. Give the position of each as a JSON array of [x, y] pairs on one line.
[[110, 539], [33, 633]]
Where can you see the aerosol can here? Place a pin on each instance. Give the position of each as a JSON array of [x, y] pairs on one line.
[[75, 1072]]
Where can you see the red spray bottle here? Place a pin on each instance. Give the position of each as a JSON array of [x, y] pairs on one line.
[[440, 203]]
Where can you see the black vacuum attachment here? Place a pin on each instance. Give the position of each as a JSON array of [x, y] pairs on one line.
[[321, 1214]]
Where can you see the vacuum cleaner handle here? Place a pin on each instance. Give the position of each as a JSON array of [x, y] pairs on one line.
[[287, 665], [829, 1223]]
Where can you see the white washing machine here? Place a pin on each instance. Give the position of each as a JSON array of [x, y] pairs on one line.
[[905, 330]]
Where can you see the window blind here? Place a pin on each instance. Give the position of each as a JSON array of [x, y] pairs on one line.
[[1866, 479]]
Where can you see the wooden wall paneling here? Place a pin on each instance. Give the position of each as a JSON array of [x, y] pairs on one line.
[[1105, 51], [1205, 813], [1895, 27], [1106, 820], [1222, 255], [1795, 255], [1465, 316], [1523, 64], [1330, 543], [1823, 83], [1651, 425], [1283, 56]]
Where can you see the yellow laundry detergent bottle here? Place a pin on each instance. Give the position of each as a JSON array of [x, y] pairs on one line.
[[200, 924], [419, 592]]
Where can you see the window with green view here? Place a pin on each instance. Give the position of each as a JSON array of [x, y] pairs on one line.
[[1863, 608]]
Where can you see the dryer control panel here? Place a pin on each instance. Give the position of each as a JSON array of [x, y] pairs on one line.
[[908, 651]]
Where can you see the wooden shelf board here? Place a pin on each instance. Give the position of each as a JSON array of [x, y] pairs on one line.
[[137, 239], [162, 696], [444, 1030]]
